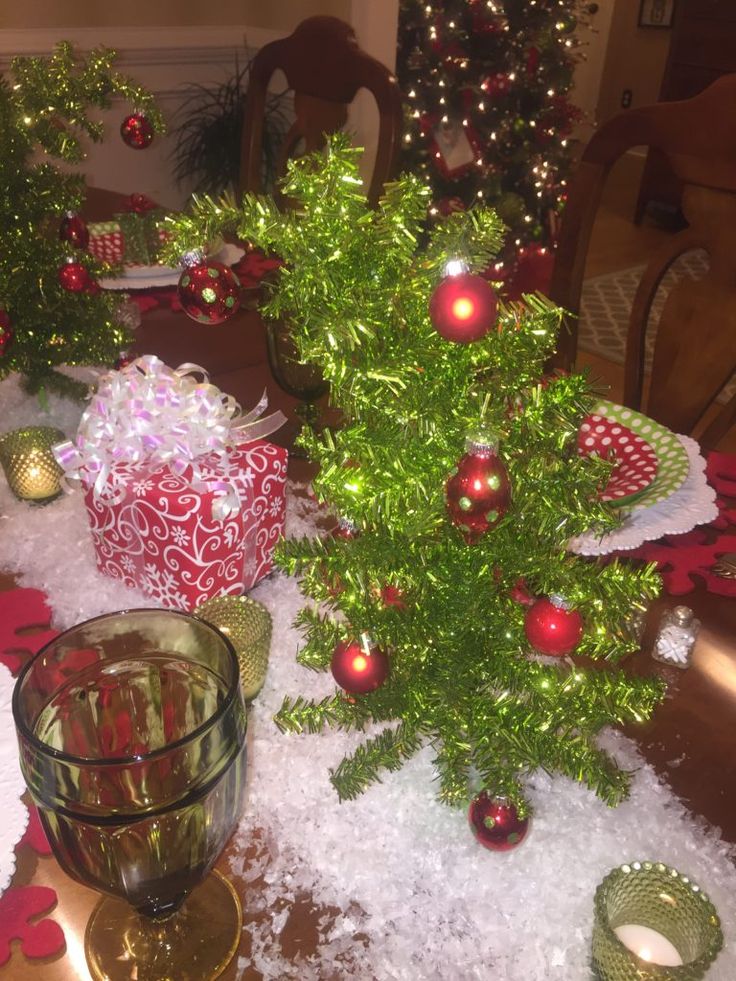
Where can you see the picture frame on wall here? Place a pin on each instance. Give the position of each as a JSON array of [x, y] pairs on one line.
[[656, 13]]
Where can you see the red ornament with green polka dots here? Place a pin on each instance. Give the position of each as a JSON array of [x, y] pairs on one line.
[[478, 492], [496, 823], [209, 291]]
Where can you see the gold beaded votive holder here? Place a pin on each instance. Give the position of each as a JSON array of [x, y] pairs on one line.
[[30, 467], [247, 624], [653, 924]]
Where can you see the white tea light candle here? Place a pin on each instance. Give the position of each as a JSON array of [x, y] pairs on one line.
[[647, 913], [40, 481], [648, 944]]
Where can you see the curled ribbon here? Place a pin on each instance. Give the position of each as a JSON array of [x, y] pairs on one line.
[[148, 414]]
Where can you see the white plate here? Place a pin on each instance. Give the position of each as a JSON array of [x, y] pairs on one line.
[[149, 277]]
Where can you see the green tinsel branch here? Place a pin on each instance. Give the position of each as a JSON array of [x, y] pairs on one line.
[[387, 751]]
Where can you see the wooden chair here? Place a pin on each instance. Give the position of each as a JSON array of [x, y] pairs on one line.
[[325, 68], [695, 344]]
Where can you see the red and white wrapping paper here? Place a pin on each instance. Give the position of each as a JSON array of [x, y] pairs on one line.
[[162, 537], [107, 242], [185, 500]]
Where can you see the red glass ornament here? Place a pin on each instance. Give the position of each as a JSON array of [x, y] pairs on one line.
[[74, 276], [478, 493], [498, 84], [136, 131], [533, 57], [519, 593], [74, 231], [463, 308], [496, 823], [359, 667], [6, 332], [552, 627], [209, 292], [393, 596], [124, 359], [448, 206]]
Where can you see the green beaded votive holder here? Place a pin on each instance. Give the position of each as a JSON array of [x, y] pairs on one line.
[[30, 467], [657, 898], [247, 625]]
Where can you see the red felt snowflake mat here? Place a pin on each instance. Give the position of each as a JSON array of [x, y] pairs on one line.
[[25, 617], [22, 917]]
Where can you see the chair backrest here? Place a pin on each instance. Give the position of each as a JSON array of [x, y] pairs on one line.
[[695, 343], [325, 68]]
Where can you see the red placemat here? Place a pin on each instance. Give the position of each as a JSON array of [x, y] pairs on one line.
[[683, 560]]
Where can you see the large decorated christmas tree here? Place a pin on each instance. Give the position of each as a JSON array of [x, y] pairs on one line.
[[446, 603], [51, 310], [486, 88]]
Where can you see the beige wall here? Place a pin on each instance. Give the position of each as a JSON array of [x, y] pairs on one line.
[[635, 60], [280, 15]]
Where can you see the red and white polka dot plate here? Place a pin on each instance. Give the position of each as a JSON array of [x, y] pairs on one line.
[[636, 461]]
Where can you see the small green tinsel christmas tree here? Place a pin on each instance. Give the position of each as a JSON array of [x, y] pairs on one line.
[[356, 288], [44, 113]]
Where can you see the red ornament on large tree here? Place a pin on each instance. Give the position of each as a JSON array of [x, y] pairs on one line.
[[552, 626], [74, 231], [6, 332], [478, 493], [359, 667], [496, 823], [136, 131], [209, 291], [74, 276], [463, 308]]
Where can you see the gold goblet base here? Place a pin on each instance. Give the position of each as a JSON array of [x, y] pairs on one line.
[[194, 944]]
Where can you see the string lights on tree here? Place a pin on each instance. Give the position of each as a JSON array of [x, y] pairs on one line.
[[486, 88]]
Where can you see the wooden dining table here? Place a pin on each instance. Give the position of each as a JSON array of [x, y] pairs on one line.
[[689, 741]]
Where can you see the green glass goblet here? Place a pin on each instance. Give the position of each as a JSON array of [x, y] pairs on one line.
[[131, 729]]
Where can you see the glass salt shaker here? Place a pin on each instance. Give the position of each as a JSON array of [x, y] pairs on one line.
[[678, 631]]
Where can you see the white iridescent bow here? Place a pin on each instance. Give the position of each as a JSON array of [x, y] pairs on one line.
[[149, 414]]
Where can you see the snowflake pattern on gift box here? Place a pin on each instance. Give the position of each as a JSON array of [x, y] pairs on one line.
[[127, 563], [161, 585], [275, 507], [180, 536], [142, 487]]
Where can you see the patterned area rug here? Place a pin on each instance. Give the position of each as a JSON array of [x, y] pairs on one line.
[[606, 305]]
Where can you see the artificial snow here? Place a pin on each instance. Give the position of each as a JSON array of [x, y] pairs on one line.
[[400, 886]]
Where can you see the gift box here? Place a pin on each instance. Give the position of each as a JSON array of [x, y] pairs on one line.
[[108, 242], [135, 237], [184, 498]]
